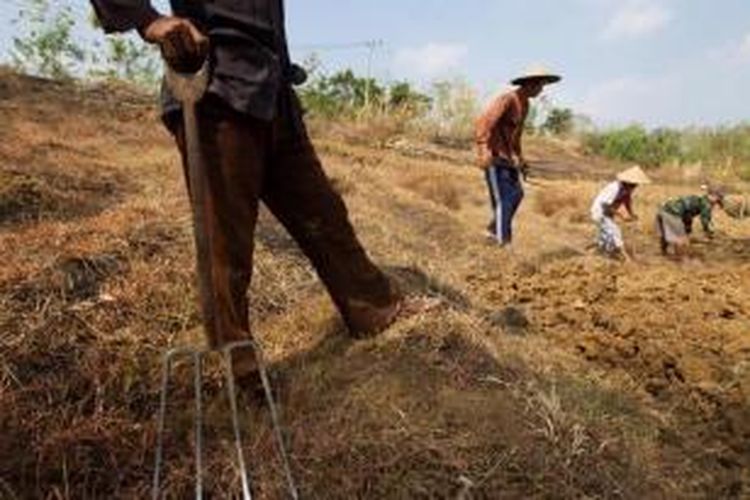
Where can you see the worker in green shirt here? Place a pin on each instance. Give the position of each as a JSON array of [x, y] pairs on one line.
[[674, 221]]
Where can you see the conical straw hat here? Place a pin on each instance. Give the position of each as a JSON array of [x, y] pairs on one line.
[[537, 72], [634, 175]]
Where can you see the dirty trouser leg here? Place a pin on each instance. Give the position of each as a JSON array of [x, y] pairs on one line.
[[234, 149], [491, 180], [609, 238], [299, 194], [511, 194], [518, 195]]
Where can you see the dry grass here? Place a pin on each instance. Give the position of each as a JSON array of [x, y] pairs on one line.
[[589, 389], [440, 189], [551, 202]]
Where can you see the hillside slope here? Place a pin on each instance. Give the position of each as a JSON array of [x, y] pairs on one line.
[[546, 372]]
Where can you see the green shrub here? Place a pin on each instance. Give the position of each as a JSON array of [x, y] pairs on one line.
[[635, 144], [560, 121], [722, 148], [345, 94]]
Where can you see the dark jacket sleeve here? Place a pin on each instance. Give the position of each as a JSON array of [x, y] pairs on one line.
[[123, 15]]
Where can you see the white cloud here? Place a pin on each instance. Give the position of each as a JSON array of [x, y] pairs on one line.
[[636, 19], [731, 55], [743, 52], [432, 59], [632, 98]]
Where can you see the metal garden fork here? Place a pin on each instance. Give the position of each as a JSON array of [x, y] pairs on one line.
[[197, 358], [188, 89]]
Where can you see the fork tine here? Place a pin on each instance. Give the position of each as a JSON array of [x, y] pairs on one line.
[[197, 357], [276, 422], [232, 393]]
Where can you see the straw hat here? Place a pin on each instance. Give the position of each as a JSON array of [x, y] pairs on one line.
[[634, 175], [537, 72], [713, 190]]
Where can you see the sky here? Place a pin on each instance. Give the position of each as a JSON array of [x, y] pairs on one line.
[[657, 62]]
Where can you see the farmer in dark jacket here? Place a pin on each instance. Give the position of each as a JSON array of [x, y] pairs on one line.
[[256, 149], [674, 221]]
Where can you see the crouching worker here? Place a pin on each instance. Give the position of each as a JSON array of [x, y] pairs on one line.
[[609, 203], [674, 222]]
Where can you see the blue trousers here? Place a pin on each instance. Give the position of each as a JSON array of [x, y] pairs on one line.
[[506, 193]]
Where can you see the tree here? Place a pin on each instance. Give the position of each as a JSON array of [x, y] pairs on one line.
[[454, 109], [401, 96], [559, 121], [47, 47], [341, 92], [129, 60]]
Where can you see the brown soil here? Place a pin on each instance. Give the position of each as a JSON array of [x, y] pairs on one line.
[[545, 372]]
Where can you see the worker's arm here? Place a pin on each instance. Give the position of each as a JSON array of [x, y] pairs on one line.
[[706, 219], [484, 127], [124, 15], [523, 166], [628, 204], [182, 44]]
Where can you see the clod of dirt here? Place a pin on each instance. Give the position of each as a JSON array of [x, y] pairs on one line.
[[153, 239], [511, 319], [83, 276]]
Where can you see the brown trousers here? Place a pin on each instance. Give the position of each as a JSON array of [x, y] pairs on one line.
[[248, 161]]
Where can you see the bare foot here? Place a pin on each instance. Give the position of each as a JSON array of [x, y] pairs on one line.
[[408, 306]]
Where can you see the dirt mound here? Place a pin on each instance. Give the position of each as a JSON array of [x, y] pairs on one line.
[[48, 194]]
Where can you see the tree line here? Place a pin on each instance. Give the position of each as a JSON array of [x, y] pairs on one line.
[[47, 46]]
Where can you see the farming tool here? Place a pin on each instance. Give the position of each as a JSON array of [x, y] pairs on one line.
[[189, 89]]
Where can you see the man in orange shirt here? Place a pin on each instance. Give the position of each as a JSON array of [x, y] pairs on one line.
[[498, 136]]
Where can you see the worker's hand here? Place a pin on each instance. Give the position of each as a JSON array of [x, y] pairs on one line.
[[182, 45], [484, 157], [524, 168]]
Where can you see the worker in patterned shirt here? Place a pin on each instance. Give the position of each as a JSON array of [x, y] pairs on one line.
[[609, 204], [674, 221]]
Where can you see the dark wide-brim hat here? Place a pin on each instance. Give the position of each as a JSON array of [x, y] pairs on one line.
[[537, 73]]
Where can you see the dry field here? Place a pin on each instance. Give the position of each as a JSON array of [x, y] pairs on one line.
[[545, 372]]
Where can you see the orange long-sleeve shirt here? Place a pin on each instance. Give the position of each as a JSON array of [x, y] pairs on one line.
[[498, 130]]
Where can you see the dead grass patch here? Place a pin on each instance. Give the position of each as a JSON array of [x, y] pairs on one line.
[[438, 188], [550, 202], [47, 194]]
